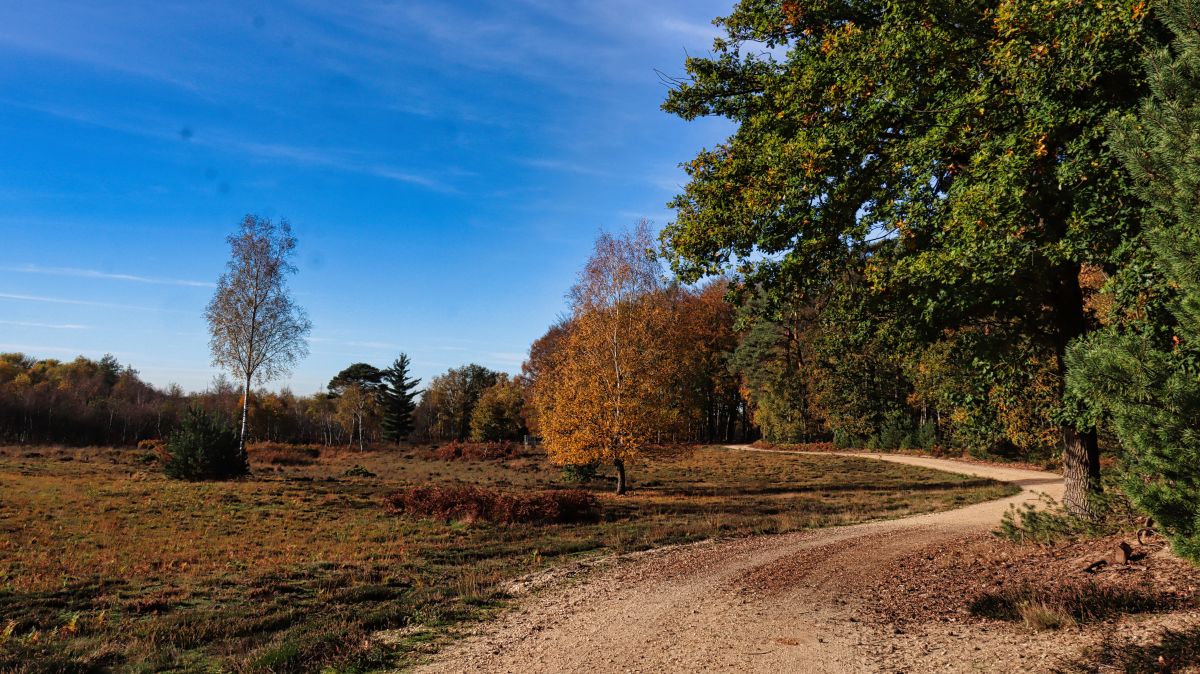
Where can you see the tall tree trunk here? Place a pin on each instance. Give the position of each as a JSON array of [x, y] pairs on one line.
[[1081, 450], [245, 415], [621, 484], [1081, 472]]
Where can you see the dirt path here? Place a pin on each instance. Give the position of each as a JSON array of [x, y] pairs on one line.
[[778, 604]]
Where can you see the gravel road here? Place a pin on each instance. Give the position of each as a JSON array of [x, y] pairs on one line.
[[784, 603]]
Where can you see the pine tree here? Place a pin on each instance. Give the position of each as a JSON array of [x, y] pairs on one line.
[[398, 394], [205, 448], [1148, 379]]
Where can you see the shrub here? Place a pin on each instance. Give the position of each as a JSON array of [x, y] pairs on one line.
[[471, 503], [580, 472], [895, 433], [204, 448], [1040, 616], [358, 471], [157, 448], [1048, 523], [477, 451], [1045, 525], [926, 436], [845, 440]]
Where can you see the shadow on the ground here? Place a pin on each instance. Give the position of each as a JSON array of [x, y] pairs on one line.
[[1175, 650]]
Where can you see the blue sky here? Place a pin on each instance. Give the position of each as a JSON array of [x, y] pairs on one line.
[[444, 165]]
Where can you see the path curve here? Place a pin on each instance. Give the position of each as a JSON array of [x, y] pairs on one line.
[[703, 607]]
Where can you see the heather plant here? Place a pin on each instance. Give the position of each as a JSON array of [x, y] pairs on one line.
[[470, 503]]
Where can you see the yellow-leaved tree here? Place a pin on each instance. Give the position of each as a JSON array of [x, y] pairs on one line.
[[607, 390]]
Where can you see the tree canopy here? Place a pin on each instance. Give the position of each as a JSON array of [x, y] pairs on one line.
[[951, 153]]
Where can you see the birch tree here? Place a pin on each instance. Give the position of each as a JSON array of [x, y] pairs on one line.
[[257, 331], [608, 390]]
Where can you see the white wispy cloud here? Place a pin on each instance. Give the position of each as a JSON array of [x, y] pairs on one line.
[[96, 274], [47, 42], [322, 157], [51, 326], [562, 165], [690, 28], [81, 303], [338, 159]]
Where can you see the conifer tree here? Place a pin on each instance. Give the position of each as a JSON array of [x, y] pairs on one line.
[[1148, 379], [398, 394]]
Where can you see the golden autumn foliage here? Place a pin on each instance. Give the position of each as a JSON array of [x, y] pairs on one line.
[[605, 394]]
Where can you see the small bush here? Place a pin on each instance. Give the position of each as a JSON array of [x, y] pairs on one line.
[[477, 451], [845, 440], [470, 503], [926, 436], [358, 471], [580, 472], [895, 433], [157, 448], [204, 448], [151, 444], [1048, 523], [1045, 525]]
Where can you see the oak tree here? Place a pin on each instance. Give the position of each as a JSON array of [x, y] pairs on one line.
[[955, 150], [497, 415]]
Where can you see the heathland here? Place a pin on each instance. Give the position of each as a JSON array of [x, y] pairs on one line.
[[105, 564]]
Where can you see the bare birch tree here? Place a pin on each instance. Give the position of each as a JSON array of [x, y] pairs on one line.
[[257, 331]]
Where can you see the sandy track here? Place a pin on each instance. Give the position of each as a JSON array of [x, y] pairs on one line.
[[783, 603]]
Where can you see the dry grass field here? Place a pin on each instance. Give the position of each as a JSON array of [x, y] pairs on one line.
[[105, 565]]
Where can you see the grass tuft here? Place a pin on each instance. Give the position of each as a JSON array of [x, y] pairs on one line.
[[1067, 603], [1040, 616]]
